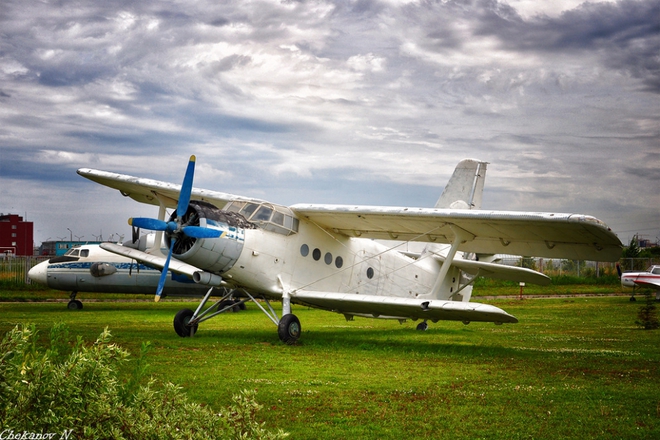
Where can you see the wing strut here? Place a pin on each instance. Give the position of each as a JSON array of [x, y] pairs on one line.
[[158, 239], [460, 236]]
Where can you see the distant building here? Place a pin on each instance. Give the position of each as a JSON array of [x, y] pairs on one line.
[[16, 235], [57, 248]]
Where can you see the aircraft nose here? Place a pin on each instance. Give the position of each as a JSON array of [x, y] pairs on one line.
[[627, 282], [39, 273]]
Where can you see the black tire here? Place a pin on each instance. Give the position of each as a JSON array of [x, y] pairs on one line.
[[181, 321], [289, 329], [226, 303], [240, 304], [74, 304], [422, 326]]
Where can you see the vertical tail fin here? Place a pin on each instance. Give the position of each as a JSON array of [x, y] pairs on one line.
[[465, 187], [463, 191]]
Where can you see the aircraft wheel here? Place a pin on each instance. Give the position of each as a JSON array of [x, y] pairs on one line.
[[181, 321], [422, 326], [241, 305], [226, 303], [289, 329], [74, 304], [633, 299]]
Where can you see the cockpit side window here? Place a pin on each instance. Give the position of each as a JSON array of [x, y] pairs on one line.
[[656, 270], [72, 252], [234, 206], [248, 210], [278, 218], [84, 253], [274, 218], [262, 214]]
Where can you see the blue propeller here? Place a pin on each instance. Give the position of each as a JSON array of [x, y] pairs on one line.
[[173, 227]]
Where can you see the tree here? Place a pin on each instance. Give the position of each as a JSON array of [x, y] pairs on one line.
[[632, 250]]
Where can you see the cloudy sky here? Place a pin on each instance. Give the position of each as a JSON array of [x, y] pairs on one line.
[[362, 102]]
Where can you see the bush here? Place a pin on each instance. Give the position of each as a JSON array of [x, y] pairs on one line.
[[76, 390], [647, 316]]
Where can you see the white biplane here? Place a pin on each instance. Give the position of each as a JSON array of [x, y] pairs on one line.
[[325, 256]]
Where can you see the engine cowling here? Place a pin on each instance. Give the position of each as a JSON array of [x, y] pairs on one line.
[[211, 254]]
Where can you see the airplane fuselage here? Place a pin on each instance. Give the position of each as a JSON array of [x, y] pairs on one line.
[[312, 259], [89, 268], [649, 279]]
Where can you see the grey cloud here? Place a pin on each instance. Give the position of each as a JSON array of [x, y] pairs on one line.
[[625, 34], [166, 81]]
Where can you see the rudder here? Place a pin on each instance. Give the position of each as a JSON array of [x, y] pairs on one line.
[[465, 187]]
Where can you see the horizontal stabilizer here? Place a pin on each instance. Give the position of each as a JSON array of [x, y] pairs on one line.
[[501, 272], [402, 308]]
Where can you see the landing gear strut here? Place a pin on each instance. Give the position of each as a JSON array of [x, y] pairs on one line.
[[74, 304], [288, 328]]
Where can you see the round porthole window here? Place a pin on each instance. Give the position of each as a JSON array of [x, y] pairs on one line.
[[304, 250], [370, 273], [316, 254], [339, 262], [328, 258]]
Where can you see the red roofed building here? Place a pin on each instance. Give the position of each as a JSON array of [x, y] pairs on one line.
[[15, 235]]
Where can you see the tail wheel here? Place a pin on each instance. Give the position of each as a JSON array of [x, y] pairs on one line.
[[181, 323], [289, 329]]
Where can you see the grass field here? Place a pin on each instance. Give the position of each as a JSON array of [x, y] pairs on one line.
[[572, 368]]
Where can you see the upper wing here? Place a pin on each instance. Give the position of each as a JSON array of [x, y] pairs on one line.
[[550, 235], [573, 236], [402, 308], [149, 191]]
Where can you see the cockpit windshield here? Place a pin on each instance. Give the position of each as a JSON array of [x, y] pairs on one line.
[[270, 217], [77, 252]]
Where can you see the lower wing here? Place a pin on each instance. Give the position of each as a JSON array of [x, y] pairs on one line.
[[402, 308], [650, 284]]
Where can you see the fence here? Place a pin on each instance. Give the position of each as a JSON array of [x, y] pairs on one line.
[[14, 270]]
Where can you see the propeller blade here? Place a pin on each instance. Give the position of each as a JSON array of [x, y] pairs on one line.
[[186, 188], [163, 275], [200, 232], [152, 224]]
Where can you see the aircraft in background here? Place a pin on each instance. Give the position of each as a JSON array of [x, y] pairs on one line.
[[88, 268], [325, 256], [649, 279]]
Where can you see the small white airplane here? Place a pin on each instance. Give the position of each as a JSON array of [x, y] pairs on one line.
[[325, 256], [88, 268], [649, 279]]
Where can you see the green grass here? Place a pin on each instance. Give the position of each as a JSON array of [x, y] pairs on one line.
[[572, 368], [561, 285]]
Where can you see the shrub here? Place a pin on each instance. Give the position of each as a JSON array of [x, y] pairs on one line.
[[77, 390], [647, 316]]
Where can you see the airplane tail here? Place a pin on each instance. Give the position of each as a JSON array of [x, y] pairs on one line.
[[465, 187], [463, 191]]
